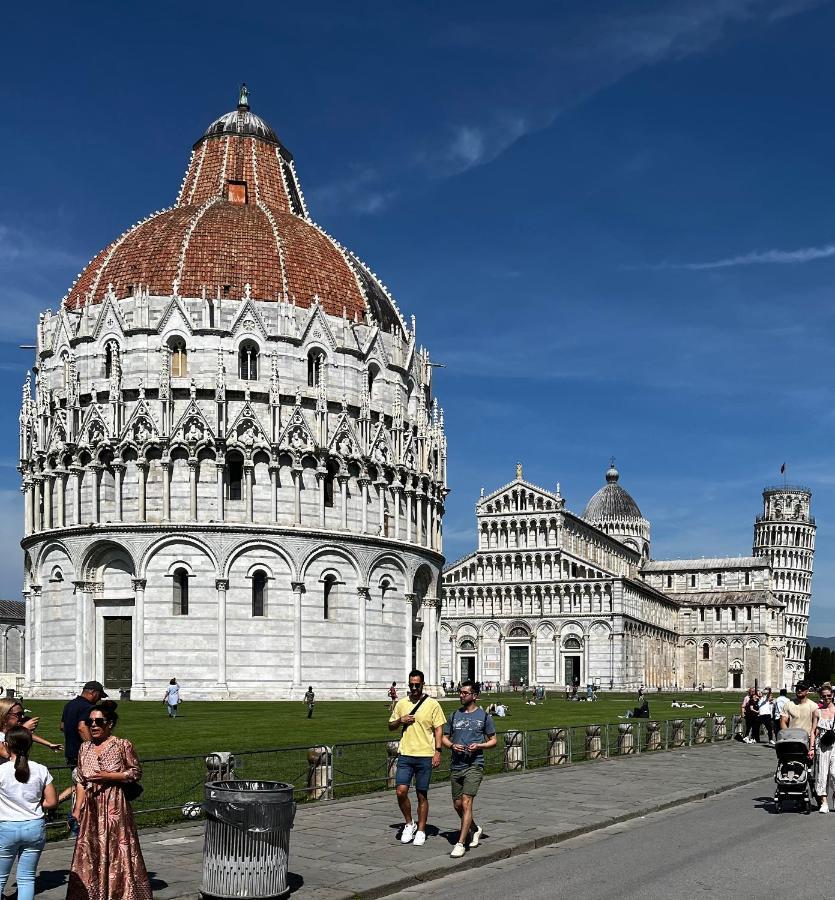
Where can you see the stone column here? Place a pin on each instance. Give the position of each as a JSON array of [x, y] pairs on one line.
[[419, 517], [95, 474], [221, 586], [501, 659], [396, 492], [409, 498], [430, 606], [80, 616], [165, 469], [47, 501], [364, 482], [410, 613], [28, 663], [220, 511], [27, 506], [62, 499], [139, 637], [36, 504], [78, 471], [249, 487], [297, 495], [142, 475], [363, 598], [36, 638], [321, 475], [274, 493], [430, 522], [381, 507], [119, 473], [298, 590], [192, 488], [343, 499]]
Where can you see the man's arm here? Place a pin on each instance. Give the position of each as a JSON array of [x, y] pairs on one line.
[[438, 732], [84, 731]]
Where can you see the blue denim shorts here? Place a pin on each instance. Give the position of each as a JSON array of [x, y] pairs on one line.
[[417, 767]]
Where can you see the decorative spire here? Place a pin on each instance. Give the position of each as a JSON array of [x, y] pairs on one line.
[[518, 471], [243, 98]]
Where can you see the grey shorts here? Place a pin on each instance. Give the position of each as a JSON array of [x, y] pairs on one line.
[[465, 781]]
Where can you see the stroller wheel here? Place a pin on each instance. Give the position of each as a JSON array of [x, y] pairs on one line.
[[778, 805]]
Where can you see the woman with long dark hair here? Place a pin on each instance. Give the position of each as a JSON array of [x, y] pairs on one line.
[[107, 863], [26, 790]]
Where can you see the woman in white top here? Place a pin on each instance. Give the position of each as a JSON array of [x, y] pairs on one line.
[[26, 790], [172, 698], [766, 715], [823, 743]]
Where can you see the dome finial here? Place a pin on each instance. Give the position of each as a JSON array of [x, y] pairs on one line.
[[612, 473], [243, 98]]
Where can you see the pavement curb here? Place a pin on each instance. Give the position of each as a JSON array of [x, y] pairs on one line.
[[546, 840]]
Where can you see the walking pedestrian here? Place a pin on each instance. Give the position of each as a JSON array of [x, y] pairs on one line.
[[766, 716], [172, 698], [468, 732], [779, 705], [310, 699], [750, 712], [107, 862], [422, 721], [800, 712], [26, 790], [824, 746]]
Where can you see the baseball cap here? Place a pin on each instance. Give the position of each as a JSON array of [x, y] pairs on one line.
[[96, 686], [801, 686]]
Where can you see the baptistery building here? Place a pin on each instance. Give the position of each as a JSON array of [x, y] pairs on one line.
[[557, 598], [233, 464]]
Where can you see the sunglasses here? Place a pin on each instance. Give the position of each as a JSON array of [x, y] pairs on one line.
[[95, 723]]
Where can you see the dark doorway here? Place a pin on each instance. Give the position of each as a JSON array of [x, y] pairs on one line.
[[572, 670], [519, 664], [737, 679], [467, 668], [118, 640]]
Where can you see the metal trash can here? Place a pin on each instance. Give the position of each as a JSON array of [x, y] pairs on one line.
[[247, 844]]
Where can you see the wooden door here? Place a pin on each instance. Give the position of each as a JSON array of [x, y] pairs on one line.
[[118, 651]]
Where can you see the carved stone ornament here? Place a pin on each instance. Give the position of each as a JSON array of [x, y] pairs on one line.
[[345, 445], [194, 431]]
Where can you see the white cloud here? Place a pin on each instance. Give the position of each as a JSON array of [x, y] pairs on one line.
[[757, 258], [18, 247]]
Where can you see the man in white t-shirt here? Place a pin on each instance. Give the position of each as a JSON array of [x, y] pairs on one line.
[[780, 704]]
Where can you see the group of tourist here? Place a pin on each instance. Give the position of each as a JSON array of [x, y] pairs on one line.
[[761, 710], [107, 861], [425, 732]]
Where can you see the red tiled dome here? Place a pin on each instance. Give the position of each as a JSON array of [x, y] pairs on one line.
[[240, 219]]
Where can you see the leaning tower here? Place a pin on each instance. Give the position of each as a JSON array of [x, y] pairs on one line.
[[785, 534]]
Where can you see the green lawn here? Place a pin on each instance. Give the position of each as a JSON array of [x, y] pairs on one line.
[[253, 725]]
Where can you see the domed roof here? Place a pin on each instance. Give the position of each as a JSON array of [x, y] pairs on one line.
[[611, 502], [240, 219]]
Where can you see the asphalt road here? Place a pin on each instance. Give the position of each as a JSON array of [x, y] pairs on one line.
[[730, 845]]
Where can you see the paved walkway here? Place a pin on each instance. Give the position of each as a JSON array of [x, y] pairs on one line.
[[345, 849]]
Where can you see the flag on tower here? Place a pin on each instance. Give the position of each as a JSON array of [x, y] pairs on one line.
[[783, 469]]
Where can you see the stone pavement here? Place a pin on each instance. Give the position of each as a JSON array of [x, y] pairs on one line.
[[348, 848]]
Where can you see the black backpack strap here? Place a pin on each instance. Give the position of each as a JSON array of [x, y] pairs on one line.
[[416, 708]]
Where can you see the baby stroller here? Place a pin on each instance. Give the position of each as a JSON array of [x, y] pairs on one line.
[[792, 775]]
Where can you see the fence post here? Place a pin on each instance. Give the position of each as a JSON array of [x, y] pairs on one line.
[[392, 749], [699, 730], [319, 773], [557, 747], [720, 729], [514, 751], [626, 739], [653, 735], [593, 750], [677, 737], [739, 727]]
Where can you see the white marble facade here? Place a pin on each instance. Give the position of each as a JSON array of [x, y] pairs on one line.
[[553, 597], [241, 489]]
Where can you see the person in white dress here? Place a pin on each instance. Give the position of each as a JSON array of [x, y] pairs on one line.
[[823, 732]]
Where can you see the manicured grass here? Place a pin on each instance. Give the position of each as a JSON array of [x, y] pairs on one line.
[[201, 728]]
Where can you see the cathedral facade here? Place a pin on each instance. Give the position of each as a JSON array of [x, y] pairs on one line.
[[554, 598], [233, 465]]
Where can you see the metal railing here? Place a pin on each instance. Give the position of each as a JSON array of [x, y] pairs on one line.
[[173, 785]]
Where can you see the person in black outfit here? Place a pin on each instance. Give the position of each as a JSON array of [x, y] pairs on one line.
[[74, 716]]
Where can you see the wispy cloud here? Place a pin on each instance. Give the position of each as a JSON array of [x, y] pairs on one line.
[[18, 247], [755, 258]]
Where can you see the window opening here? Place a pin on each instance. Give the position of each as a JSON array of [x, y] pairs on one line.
[[259, 590], [248, 361], [180, 592]]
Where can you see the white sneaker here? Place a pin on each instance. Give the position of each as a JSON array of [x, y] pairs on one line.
[[458, 851], [420, 838], [823, 808], [408, 833], [476, 836]]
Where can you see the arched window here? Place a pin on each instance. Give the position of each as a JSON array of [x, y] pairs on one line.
[[328, 595], [705, 651], [234, 477], [518, 633], [373, 372], [248, 361], [467, 645], [179, 362], [259, 593], [180, 592], [328, 484], [719, 579], [571, 644], [315, 365], [65, 360]]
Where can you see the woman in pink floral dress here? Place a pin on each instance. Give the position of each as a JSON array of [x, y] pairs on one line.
[[107, 863]]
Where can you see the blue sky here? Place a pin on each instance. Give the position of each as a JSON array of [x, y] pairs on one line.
[[613, 221]]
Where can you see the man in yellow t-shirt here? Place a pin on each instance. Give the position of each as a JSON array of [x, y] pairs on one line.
[[422, 721]]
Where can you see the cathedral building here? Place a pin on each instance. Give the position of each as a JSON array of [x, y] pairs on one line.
[[233, 465], [555, 598]]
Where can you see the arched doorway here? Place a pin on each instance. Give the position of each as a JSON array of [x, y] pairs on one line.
[[572, 661], [518, 657], [466, 661]]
